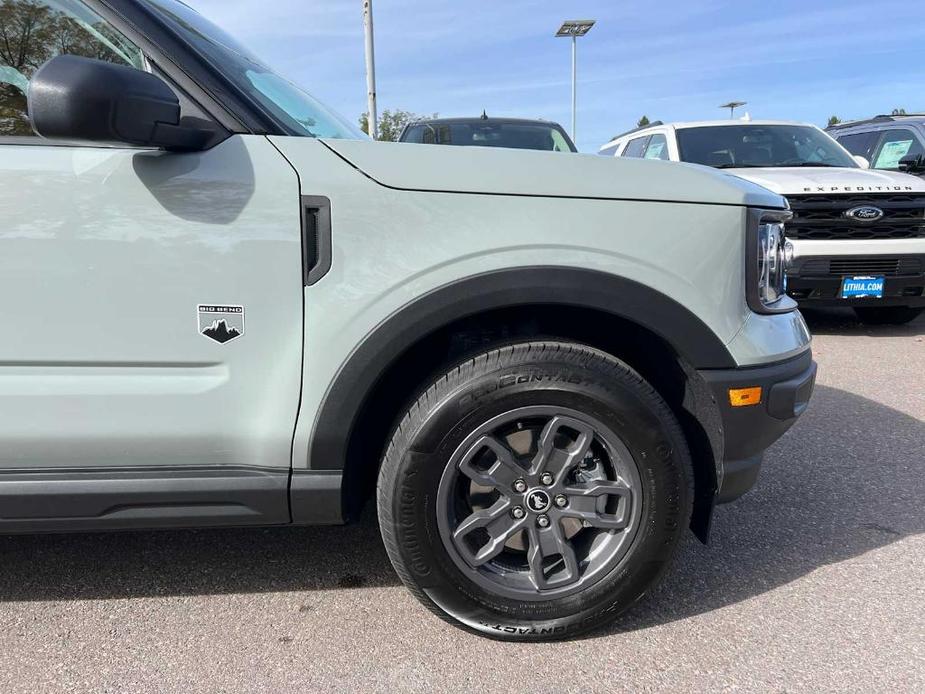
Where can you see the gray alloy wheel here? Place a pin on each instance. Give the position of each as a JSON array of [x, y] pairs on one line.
[[539, 502]]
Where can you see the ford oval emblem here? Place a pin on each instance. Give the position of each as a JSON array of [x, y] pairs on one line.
[[864, 213]]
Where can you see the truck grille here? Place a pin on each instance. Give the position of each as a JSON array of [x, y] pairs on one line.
[[861, 265], [820, 217]]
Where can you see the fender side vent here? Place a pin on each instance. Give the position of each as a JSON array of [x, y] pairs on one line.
[[316, 238]]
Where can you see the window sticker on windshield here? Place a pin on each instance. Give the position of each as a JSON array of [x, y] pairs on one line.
[[655, 150], [891, 153]]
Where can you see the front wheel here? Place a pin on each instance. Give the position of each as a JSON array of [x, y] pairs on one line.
[[887, 315], [535, 491]]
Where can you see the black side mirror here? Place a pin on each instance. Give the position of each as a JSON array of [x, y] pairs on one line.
[[74, 98], [913, 163]]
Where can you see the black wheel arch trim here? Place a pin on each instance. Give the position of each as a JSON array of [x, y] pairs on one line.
[[624, 298]]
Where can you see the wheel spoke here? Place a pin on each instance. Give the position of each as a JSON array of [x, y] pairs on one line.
[[600, 488], [497, 522], [583, 505], [557, 461], [546, 543], [503, 471]]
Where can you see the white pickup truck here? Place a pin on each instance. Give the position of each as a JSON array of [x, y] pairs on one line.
[[857, 237]]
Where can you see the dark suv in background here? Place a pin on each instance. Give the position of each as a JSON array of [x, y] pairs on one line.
[[514, 133], [889, 143]]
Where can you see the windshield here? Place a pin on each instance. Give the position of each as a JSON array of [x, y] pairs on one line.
[[542, 136], [750, 146], [294, 108]]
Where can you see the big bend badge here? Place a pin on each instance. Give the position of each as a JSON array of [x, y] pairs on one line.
[[221, 323]]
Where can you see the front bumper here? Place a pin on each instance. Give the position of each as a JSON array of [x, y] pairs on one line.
[[748, 431], [816, 270]]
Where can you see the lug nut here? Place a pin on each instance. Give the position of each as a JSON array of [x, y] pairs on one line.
[[520, 486], [542, 521], [546, 479], [518, 512], [561, 501]]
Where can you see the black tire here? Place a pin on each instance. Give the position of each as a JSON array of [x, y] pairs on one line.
[[577, 379], [887, 315]]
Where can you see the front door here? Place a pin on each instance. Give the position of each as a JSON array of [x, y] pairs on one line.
[[150, 303]]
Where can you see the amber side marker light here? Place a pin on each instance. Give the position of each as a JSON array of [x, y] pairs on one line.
[[743, 397]]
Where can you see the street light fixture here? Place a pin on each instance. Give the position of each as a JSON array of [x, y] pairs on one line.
[[732, 106], [574, 28]]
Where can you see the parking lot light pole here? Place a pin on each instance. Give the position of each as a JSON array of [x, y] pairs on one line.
[[372, 119], [574, 83], [732, 106], [574, 28]]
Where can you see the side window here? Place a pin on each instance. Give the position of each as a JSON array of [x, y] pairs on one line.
[[438, 134], [609, 151], [636, 147], [428, 134], [860, 144], [34, 31], [895, 145], [558, 142], [657, 147], [414, 134]]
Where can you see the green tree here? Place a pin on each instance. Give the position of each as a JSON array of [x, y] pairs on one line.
[[899, 112], [391, 123], [642, 122], [834, 120]]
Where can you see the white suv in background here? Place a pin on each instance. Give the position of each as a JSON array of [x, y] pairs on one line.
[[857, 237]]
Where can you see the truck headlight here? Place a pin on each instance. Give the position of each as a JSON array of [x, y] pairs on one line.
[[766, 265], [770, 262]]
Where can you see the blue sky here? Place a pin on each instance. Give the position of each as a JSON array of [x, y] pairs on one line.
[[672, 60]]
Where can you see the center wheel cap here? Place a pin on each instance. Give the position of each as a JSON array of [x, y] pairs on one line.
[[538, 501]]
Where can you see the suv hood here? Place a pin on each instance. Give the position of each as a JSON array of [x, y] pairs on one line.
[[496, 171], [804, 180]]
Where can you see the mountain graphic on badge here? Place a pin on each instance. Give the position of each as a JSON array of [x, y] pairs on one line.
[[221, 323], [220, 332]]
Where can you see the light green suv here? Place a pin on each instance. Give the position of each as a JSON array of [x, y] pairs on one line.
[[221, 306]]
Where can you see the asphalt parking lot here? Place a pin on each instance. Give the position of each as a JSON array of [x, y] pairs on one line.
[[813, 582]]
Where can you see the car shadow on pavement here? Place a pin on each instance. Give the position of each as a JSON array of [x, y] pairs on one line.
[[842, 321], [193, 562], [846, 480]]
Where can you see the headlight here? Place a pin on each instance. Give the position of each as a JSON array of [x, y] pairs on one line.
[[770, 263], [766, 265]]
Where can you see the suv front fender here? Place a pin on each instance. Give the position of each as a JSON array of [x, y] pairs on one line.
[[691, 339]]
